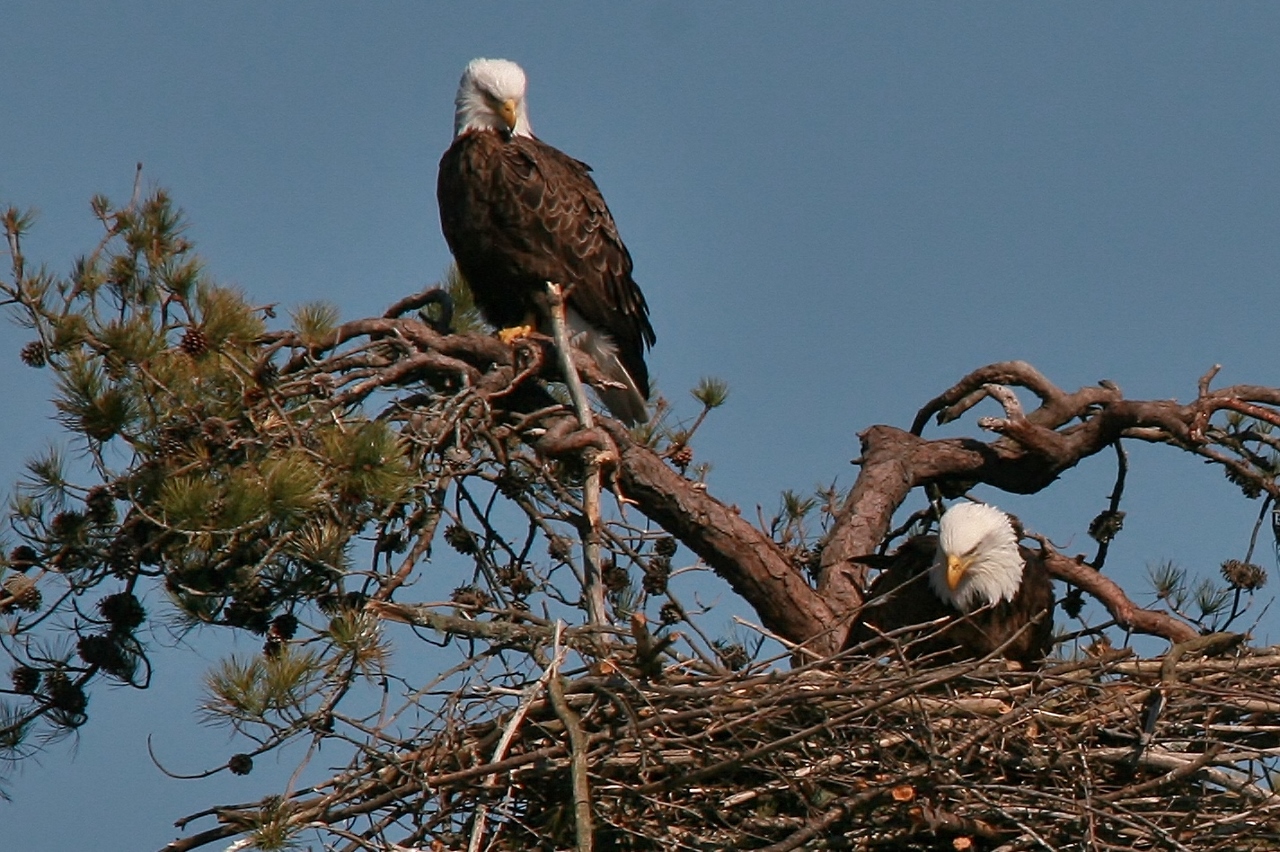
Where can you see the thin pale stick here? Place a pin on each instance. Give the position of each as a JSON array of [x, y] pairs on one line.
[[593, 584]]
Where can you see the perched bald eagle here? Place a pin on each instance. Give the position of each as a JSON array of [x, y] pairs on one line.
[[518, 213], [974, 573]]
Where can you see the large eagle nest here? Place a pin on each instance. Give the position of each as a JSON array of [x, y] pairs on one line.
[[1103, 752]]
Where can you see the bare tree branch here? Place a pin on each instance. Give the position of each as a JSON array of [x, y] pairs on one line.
[[739, 552], [1127, 614]]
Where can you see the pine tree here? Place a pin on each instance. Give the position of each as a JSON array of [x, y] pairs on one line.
[[323, 482]]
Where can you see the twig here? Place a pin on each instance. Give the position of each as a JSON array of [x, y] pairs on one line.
[[792, 647], [593, 582], [531, 635], [578, 743], [1113, 503], [551, 672], [1253, 538], [137, 187]]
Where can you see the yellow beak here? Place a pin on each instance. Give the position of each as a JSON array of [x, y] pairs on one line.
[[507, 112], [956, 566]]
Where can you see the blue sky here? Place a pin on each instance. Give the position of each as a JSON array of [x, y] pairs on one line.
[[839, 208]]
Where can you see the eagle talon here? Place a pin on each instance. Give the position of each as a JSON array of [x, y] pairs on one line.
[[511, 335]]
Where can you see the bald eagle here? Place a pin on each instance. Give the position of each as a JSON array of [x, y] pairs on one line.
[[972, 573], [518, 213]]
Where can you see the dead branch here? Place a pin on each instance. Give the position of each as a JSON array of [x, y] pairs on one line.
[[593, 585], [1127, 614], [748, 559], [584, 834], [1032, 450]]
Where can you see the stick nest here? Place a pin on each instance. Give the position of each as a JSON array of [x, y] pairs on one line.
[[1104, 752]]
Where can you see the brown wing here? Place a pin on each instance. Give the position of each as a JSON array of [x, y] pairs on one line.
[[901, 597], [1034, 603], [516, 213]]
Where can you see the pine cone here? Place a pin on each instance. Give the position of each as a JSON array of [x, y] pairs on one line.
[[516, 579], [329, 603], [33, 354], [1247, 484], [732, 654], [100, 506], [123, 611], [240, 764], [656, 573], [460, 539], [471, 596], [284, 625], [511, 485], [65, 695], [67, 525], [337, 602], [26, 680], [23, 557], [559, 548], [273, 647], [1244, 575], [122, 556], [614, 577], [217, 432], [103, 652], [1073, 603], [1106, 526], [247, 614], [19, 592], [172, 442], [194, 342], [670, 613]]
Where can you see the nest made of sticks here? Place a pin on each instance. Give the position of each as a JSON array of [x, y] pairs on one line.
[[1104, 752]]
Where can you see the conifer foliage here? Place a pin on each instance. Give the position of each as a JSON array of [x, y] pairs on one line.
[[235, 496], [279, 482]]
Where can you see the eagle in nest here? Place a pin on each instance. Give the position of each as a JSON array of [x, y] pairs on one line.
[[992, 592], [518, 213]]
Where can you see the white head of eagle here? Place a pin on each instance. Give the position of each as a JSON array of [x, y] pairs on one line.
[[491, 97], [978, 561]]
